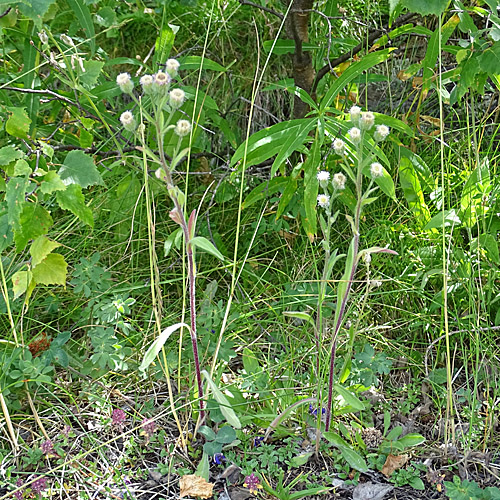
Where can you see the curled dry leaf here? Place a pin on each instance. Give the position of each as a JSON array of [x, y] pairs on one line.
[[393, 463], [195, 486]]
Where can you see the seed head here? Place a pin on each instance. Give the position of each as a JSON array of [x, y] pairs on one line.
[[323, 200], [125, 83], [355, 113], [339, 181], [339, 146], [381, 132], [367, 120], [67, 40], [376, 170], [128, 121], [176, 98], [355, 135], [182, 128], [43, 37], [172, 67]]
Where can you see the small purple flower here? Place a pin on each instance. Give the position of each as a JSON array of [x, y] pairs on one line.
[[47, 448], [19, 494], [219, 458], [148, 427], [66, 430], [257, 441], [39, 485], [118, 417], [314, 411], [252, 482]]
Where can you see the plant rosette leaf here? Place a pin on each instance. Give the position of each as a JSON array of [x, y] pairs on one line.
[[354, 459]]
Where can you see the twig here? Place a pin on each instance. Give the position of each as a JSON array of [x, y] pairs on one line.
[[6, 12], [261, 7], [371, 38]]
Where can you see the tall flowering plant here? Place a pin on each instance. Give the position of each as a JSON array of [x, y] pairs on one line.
[[157, 104], [356, 169]]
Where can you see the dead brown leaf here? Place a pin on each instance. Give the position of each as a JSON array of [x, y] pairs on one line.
[[195, 486], [393, 463]]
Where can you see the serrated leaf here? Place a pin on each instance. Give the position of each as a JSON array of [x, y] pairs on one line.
[[158, 344], [40, 248], [20, 282], [8, 154], [51, 271], [79, 168], [6, 234], [206, 245], [225, 406], [51, 183], [73, 200], [426, 7], [22, 168], [34, 221], [18, 123], [92, 71], [14, 196]]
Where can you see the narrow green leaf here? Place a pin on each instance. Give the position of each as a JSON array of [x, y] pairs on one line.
[[203, 469], [267, 188], [82, 13], [207, 246], [410, 440], [197, 62], [412, 191], [450, 219], [349, 397], [225, 406]]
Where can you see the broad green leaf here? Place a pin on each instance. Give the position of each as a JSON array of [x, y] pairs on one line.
[[250, 362], [18, 123], [489, 244], [355, 460], [14, 196], [164, 43], [92, 71], [293, 143], [450, 219], [203, 469], [395, 433], [413, 192], [34, 221], [426, 7], [158, 344], [299, 460], [6, 234], [20, 282], [285, 46], [267, 188], [51, 271], [174, 237], [286, 197], [51, 183], [106, 16], [226, 435], [35, 9], [197, 62], [409, 440], [206, 245], [489, 60], [73, 200], [8, 154], [82, 13], [476, 189], [79, 168], [22, 168], [40, 248], [352, 72], [384, 182], [225, 406], [207, 432], [422, 171], [349, 397], [268, 142]]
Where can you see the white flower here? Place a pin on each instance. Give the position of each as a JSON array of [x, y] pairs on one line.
[[125, 83], [381, 132], [376, 170], [323, 176], [367, 120], [161, 82], [339, 181], [376, 283], [355, 135], [182, 128], [146, 82], [339, 146], [77, 60], [323, 200], [128, 121], [367, 258], [172, 67], [355, 113], [176, 98], [43, 37], [67, 40]]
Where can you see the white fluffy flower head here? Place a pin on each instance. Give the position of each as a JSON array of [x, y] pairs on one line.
[[355, 135], [355, 113], [161, 82], [172, 67], [147, 83], [367, 120], [125, 83], [323, 200], [128, 121], [323, 176], [339, 181], [376, 170], [43, 37], [182, 128], [176, 98], [381, 132], [339, 146]]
